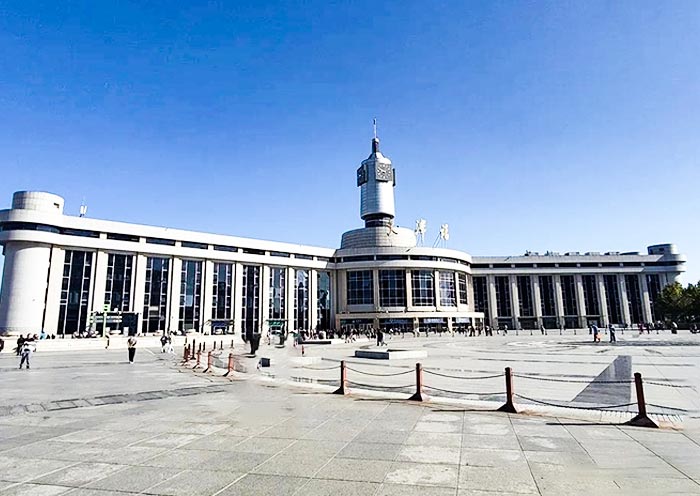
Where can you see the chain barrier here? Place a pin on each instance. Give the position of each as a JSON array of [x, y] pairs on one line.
[[592, 380], [476, 378], [380, 375], [668, 407], [461, 392], [666, 384], [353, 383], [575, 407]]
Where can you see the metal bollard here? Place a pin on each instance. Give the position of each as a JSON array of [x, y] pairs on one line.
[[641, 419], [186, 354], [232, 344], [229, 368], [199, 359], [343, 379], [418, 395], [210, 362], [222, 345], [194, 346], [508, 407]]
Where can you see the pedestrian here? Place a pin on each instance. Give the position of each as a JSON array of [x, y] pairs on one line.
[[20, 342], [611, 328], [131, 346], [169, 346], [26, 353], [2, 344], [163, 342], [543, 329], [596, 336], [380, 337], [505, 329], [107, 344]]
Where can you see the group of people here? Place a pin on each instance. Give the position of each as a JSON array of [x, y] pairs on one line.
[[594, 330]]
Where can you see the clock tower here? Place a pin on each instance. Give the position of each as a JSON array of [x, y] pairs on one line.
[[376, 178]]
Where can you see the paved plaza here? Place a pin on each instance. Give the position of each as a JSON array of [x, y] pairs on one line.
[[88, 423]]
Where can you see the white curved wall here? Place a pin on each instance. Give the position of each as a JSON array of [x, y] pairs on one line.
[[24, 282], [37, 200]]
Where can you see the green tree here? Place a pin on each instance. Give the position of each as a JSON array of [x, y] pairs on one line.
[[671, 303]]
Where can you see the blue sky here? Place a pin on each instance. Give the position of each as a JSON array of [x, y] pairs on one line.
[[524, 125]]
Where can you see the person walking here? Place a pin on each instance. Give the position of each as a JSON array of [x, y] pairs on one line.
[[543, 329], [163, 342], [20, 342], [26, 353], [2, 344], [169, 346], [611, 328], [131, 346]]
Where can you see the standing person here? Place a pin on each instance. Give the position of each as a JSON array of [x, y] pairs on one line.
[[611, 328], [505, 329], [169, 346], [131, 345], [20, 342], [596, 337], [380, 337], [543, 330], [26, 353], [163, 342], [2, 344]]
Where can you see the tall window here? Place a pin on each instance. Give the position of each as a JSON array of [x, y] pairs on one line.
[[251, 299], [654, 285], [155, 300], [323, 300], [481, 295], [547, 296], [590, 295], [568, 291], [423, 288], [277, 296], [448, 293], [360, 286], [75, 291], [301, 299], [634, 298], [392, 288], [190, 294], [525, 304], [462, 286], [503, 296], [118, 284], [222, 291], [612, 291]]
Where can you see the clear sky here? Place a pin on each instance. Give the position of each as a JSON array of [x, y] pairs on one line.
[[564, 126]]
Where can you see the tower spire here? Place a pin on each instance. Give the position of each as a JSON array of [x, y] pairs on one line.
[[375, 140]]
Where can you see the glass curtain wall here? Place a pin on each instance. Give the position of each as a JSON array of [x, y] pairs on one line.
[[118, 284], [251, 300], [222, 290], [323, 300], [527, 308], [612, 291], [654, 285], [360, 287], [277, 294], [190, 295], [503, 296], [590, 295], [155, 304], [547, 300], [392, 288], [301, 299], [462, 286], [568, 290], [481, 296], [423, 288], [634, 298], [448, 292], [75, 292]]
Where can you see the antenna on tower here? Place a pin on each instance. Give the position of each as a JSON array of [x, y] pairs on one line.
[[374, 126], [83, 208], [442, 237]]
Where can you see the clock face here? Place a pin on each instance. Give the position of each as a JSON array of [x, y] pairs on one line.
[[384, 172], [361, 175]]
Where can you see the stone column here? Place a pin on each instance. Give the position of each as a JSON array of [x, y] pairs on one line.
[[100, 281], [436, 282], [602, 299], [313, 298], [289, 296], [491, 292], [470, 293], [624, 301], [537, 298], [646, 300], [264, 298], [559, 299], [409, 290], [141, 262], [173, 317], [237, 298], [207, 292], [375, 289], [580, 301], [514, 300]]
